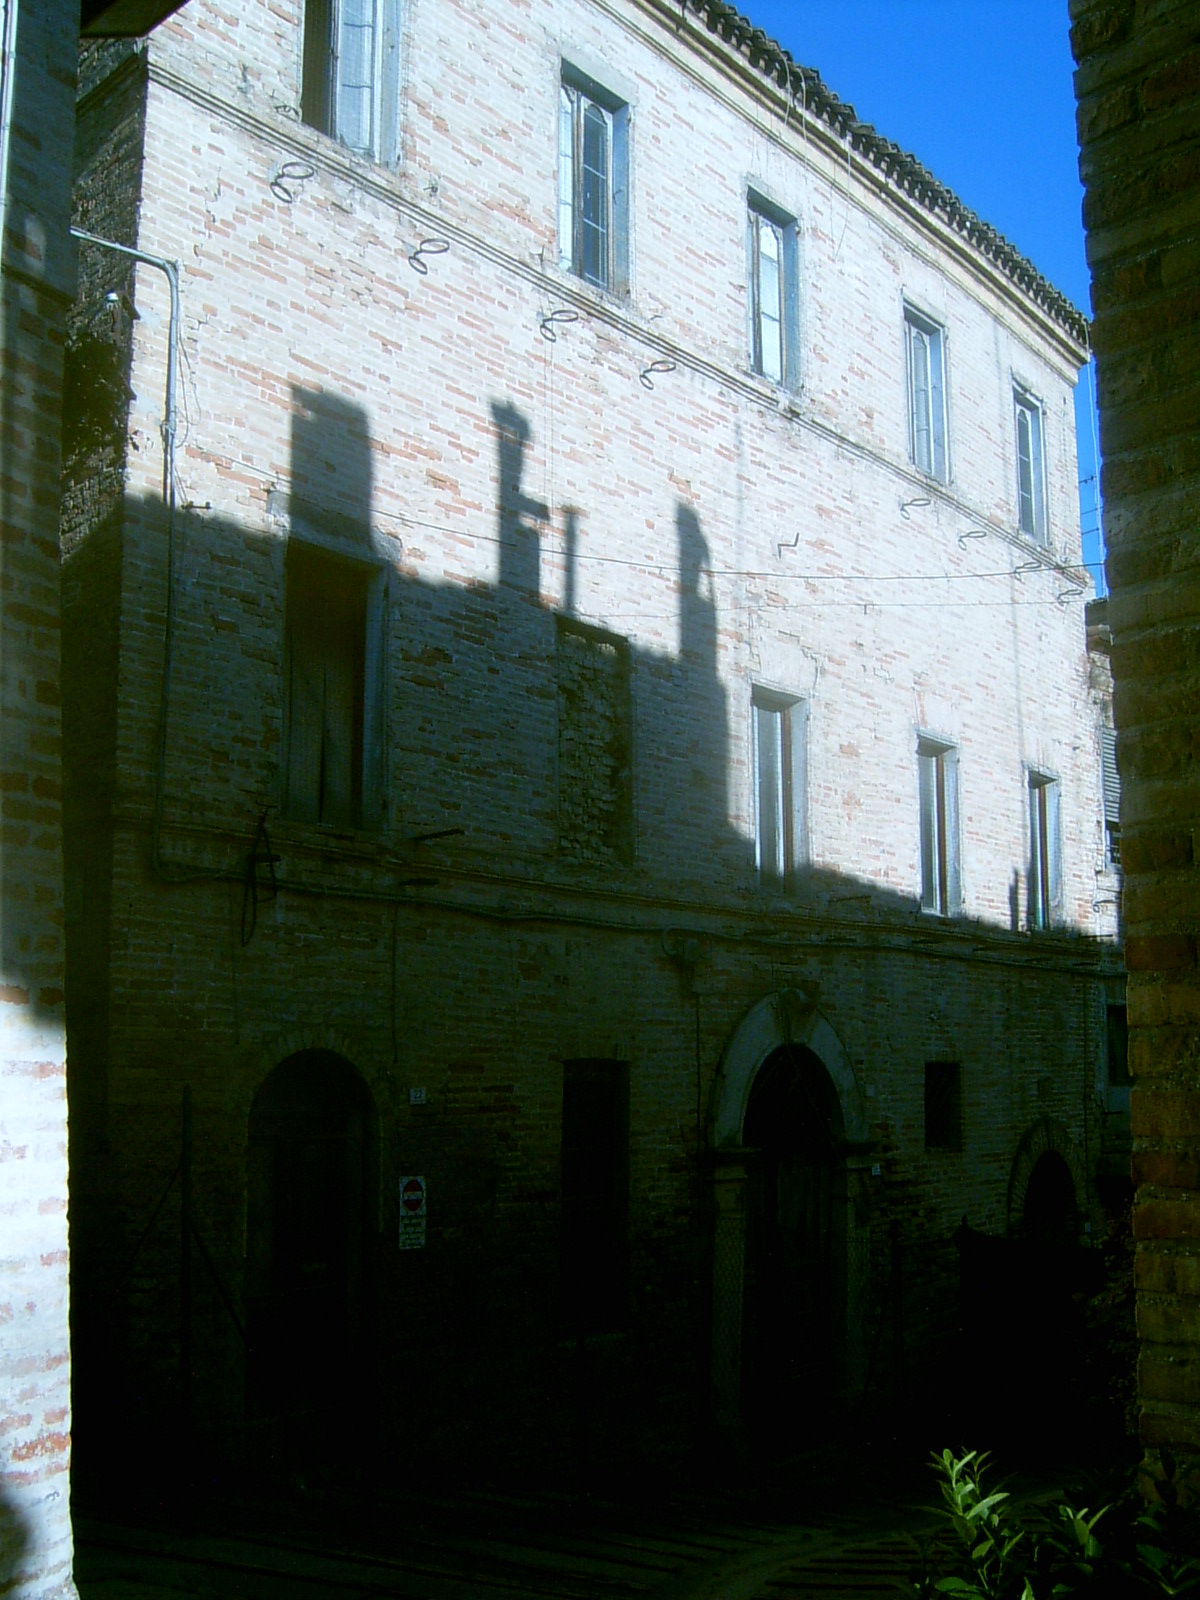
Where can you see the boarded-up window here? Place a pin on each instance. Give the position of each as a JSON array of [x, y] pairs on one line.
[[595, 1193], [943, 1105], [595, 788], [332, 701]]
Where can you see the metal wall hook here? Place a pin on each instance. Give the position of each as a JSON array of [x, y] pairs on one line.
[[920, 500], [645, 377], [556, 319], [283, 182], [427, 247]]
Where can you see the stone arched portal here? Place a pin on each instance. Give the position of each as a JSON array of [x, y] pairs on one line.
[[786, 1082]]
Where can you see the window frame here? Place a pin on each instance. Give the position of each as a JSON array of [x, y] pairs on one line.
[[1045, 851], [1032, 519], [366, 774], [580, 95], [325, 26], [762, 215], [789, 727], [927, 404], [940, 854]]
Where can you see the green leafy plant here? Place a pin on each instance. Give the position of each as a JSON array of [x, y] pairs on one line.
[[1149, 1549], [981, 1554]]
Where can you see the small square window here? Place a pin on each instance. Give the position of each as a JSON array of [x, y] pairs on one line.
[[1031, 478], [1045, 856], [943, 1105], [937, 771], [925, 344], [772, 265], [593, 187], [350, 84]]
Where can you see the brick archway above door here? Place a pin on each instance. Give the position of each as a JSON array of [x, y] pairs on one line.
[[787, 1017]]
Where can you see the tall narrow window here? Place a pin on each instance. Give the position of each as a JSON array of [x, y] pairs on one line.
[[595, 1193], [937, 766], [1111, 787], [779, 784], [1045, 865], [592, 184], [332, 696], [772, 272], [943, 1105], [1031, 481], [925, 344], [1118, 1048], [350, 88]]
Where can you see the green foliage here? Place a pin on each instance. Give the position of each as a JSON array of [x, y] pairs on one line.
[[984, 1552], [983, 1556]]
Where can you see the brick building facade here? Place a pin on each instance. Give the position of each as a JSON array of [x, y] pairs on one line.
[[1138, 118], [585, 843]]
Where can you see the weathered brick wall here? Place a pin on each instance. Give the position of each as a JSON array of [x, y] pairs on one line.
[[1138, 88], [420, 423], [35, 290]]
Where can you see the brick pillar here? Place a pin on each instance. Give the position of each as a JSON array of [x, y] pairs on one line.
[[1138, 91], [35, 290]]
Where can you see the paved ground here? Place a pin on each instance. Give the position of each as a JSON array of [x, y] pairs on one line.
[[466, 1546]]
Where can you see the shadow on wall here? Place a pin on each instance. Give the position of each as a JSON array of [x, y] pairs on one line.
[[14, 1543], [298, 664]]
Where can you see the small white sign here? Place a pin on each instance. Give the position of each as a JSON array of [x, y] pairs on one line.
[[416, 1097], [412, 1213]]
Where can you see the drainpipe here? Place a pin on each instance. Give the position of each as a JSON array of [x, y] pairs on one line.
[[170, 269], [7, 82]]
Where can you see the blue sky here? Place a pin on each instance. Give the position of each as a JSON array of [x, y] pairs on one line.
[[980, 91]]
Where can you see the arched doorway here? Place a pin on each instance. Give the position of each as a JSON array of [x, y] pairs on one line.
[[1050, 1213], [791, 1259], [311, 1158], [793, 1342]]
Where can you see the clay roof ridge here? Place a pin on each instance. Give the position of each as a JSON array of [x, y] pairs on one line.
[[901, 167]]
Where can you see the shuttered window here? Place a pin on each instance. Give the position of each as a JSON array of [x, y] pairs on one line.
[[1111, 785], [333, 756], [780, 726]]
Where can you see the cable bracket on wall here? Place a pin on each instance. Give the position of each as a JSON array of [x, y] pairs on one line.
[[970, 533], [427, 247], [647, 374], [906, 505], [285, 179], [553, 320]]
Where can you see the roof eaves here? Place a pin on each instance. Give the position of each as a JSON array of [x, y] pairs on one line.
[[902, 169]]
